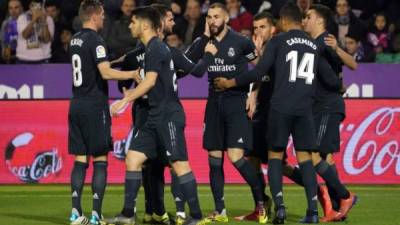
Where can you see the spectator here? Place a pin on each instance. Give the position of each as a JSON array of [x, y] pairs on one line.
[[360, 51], [304, 5], [193, 24], [53, 10], [346, 21], [9, 32], [379, 36], [121, 40], [240, 19], [393, 57], [35, 32], [61, 52]]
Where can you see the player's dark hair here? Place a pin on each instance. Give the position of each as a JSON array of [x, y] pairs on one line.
[[324, 12], [149, 14], [291, 12], [88, 8], [220, 6], [162, 9], [265, 15]]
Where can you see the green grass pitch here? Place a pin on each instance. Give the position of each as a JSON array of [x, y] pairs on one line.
[[50, 204]]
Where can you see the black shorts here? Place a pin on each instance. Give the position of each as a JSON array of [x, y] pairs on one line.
[[89, 128], [260, 129], [226, 124], [281, 126], [165, 141], [327, 126]]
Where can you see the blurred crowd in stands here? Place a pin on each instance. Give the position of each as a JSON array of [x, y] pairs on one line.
[[39, 31]]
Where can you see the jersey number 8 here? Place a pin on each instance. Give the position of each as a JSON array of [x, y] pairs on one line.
[[76, 70], [304, 70]]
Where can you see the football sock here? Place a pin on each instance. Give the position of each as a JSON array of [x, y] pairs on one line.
[[217, 180], [262, 183], [275, 181], [249, 174], [158, 182], [132, 185], [189, 190], [177, 193], [329, 176], [296, 176], [148, 200], [78, 175], [332, 194], [310, 184], [99, 181]]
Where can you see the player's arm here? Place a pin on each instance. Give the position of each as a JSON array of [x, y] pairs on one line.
[[263, 66], [108, 73], [345, 57], [131, 95], [185, 66], [327, 76]]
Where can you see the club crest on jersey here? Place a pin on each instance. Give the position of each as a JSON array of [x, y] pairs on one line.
[[231, 52], [100, 51]]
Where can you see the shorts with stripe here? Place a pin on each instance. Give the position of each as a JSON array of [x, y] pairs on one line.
[[327, 126], [165, 140]]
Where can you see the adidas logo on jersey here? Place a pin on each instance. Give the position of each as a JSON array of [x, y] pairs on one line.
[[168, 153], [240, 140]]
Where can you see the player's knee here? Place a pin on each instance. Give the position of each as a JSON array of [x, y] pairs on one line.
[[235, 155], [181, 167], [329, 159], [215, 162]]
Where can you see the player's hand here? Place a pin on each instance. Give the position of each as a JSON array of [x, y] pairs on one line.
[[207, 29], [331, 41], [211, 48], [136, 76], [251, 104], [221, 83], [117, 107], [258, 42]]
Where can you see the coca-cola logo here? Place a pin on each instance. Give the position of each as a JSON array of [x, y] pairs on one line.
[[373, 144], [121, 146], [44, 163]]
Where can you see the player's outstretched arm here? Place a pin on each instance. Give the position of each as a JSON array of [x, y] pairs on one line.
[[131, 95], [346, 58], [109, 73]]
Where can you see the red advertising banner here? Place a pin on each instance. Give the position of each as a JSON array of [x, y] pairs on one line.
[[34, 142]]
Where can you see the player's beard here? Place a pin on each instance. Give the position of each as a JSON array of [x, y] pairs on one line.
[[217, 31]]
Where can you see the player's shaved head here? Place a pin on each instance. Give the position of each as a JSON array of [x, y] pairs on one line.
[[88, 8], [291, 12]]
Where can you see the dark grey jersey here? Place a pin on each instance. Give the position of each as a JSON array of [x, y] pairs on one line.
[[163, 97], [292, 59], [87, 50], [327, 100]]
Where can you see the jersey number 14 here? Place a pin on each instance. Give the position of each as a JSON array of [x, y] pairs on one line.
[[304, 70]]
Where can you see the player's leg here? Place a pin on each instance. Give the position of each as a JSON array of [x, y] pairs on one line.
[[213, 141], [157, 183], [142, 147], [172, 137], [148, 199], [304, 139], [99, 182], [77, 147], [180, 216], [329, 142]]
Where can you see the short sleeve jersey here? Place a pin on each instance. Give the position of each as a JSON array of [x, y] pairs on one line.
[[234, 53], [163, 97], [87, 50]]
